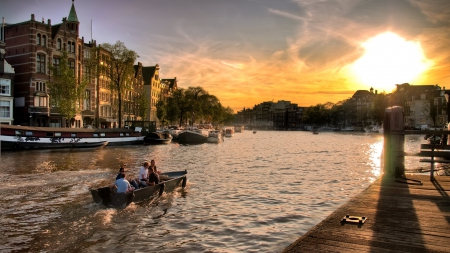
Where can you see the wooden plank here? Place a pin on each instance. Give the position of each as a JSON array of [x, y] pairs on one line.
[[434, 146], [401, 217], [434, 161], [445, 154]]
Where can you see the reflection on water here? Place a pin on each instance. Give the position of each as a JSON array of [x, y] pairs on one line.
[[250, 193]]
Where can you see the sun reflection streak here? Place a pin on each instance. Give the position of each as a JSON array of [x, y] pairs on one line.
[[375, 150]]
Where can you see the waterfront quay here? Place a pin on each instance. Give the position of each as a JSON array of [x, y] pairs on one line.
[[400, 216], [399, 212]]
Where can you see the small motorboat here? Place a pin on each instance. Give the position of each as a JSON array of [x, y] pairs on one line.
[[158, 138], [107, 197]]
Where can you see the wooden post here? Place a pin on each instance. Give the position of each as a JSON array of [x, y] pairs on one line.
[[394, 143]]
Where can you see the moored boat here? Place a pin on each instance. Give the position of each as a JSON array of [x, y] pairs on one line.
[[214, 136], [175, 131], [191, 137], [158, 138], [239, 129], [14, 137], [107, 197], [229, 132]]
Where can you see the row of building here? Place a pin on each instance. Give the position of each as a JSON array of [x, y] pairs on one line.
[[424, 106], [27, 50]]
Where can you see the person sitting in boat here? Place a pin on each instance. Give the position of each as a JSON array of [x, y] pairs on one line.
[[143, 175], [153, 167], [153, 177], [123, 186], [158, 172], [132, 182]]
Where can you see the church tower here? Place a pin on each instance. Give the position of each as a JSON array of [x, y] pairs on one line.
[[72, 20]]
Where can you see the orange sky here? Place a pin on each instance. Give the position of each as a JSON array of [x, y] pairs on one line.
[[249, 51]]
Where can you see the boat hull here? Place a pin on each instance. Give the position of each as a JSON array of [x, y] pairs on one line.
[[156, 138], [104, 195], [14, 145], [189, 137], [23, 137]]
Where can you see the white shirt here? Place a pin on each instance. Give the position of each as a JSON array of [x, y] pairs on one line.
[[143, 173]]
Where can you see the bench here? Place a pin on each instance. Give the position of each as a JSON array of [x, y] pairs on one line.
[[437, 154]]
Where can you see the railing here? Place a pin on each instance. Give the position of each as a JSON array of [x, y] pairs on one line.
[[393, 161]]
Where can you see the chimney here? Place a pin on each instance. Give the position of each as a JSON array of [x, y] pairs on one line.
[[49, 22]]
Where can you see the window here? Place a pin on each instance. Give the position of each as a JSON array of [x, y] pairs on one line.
[[73, 47], [29, 133], [87, 101], [87, 54], [5, 109], [38, 39], [44, 41], [40, 63], [56, 65], [57, 134], [40, 86], [58, 44], [69, 47], [73, 135], [72, 66], [40, 101], [5, 86]]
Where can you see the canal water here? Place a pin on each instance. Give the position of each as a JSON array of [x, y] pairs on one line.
[[251, 193]]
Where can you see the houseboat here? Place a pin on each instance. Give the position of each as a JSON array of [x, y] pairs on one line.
[[14, 137]]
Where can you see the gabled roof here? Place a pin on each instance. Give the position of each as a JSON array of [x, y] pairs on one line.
[[73, 14], [172, 82], [55, 30], [148, 73], [362, 93]]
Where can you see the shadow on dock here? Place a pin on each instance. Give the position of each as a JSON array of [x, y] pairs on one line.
[[402, 216]]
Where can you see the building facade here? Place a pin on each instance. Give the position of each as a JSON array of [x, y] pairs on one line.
[[6, 87], [31, 47]]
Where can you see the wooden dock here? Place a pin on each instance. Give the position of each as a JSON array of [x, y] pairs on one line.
[[401, 216]]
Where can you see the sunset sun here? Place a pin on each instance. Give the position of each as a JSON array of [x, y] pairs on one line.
[[388, 60]]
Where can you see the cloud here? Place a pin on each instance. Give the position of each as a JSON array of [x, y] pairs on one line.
[[285, 14]]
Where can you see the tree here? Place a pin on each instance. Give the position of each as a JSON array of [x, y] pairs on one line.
[[161, 111], [193, 103], [143, 104], [430, 107], [316, 115], [120, 68], [66, 92], [379, 105]]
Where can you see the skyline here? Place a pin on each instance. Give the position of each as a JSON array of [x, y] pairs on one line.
[[246, 52]]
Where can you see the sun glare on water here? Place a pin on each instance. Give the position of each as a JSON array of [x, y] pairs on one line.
[[388, 60]]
